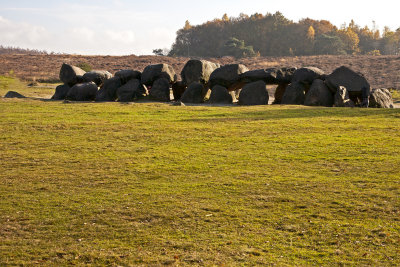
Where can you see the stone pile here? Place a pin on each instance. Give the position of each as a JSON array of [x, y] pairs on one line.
[[204, 81]]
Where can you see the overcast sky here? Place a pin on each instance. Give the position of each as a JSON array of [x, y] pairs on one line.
[[121, 27]]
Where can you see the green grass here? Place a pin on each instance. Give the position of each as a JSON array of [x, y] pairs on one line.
[[395, 95], [42, 90], [150, 184]]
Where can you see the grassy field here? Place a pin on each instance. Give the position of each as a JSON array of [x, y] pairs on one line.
[[151, 184], [10, 83]]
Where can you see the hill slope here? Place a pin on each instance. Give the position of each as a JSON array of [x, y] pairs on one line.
[[381, 71]]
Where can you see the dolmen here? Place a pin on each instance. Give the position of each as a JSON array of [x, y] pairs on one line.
[[204, 81], [99, 85]]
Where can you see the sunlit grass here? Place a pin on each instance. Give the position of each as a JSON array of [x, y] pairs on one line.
[[9, 83], [117, 184]]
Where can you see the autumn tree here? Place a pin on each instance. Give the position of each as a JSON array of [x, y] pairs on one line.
[[319, 26], [350, 40], [311, 33], [390, 43], [275, 35], [368, 40], [225, 17], [183, 41]]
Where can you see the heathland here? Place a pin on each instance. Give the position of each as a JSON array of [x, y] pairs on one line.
[[380, 71]]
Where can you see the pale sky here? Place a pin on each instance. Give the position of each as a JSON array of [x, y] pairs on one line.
[[121, 27]]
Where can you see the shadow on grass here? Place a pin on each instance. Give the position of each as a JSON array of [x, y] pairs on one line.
[[297, 112], [221, 113]]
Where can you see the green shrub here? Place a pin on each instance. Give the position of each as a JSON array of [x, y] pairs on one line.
[[237, 48], [374, 53], [85, 66]]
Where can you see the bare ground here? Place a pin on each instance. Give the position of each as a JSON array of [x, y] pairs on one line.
[[381, 71]]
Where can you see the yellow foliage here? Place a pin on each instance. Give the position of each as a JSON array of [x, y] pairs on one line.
[[311, 33], [187, 25], [350, 39], [374, 53]]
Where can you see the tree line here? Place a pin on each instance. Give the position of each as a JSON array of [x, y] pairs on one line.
[[275, 35], [24, 51]]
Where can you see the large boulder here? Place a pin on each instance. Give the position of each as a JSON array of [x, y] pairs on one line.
[[82, 92], [254, 94], [381, 98], [319, 95], [307, 75], [269, 76], [69, 73], [198, 71], [108, 92], [160, 90], [97, 76], [279, 92], [127, 75], [228, 76], [61, 92], [130, 91], [220, 95], [13, 94], [342, 98], [80, 79], [178, 88], [160, 71], [194, 93], [355, 83], [294, 94]]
